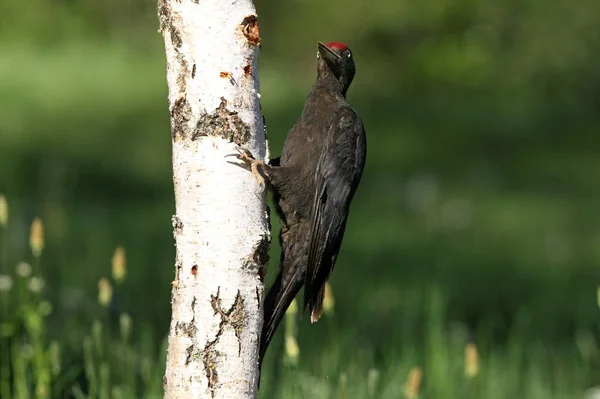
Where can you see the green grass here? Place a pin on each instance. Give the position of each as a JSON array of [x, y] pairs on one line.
[[116, 358], [38, 363]]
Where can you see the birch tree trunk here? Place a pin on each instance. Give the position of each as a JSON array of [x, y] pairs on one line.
[[221, 225]]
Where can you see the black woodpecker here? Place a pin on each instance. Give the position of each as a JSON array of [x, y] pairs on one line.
[[313, 183]]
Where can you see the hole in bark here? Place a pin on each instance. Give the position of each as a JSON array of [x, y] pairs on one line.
[[250, 29], [248, 70]]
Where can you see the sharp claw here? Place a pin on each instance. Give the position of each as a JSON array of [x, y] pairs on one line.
[[242, 154], [246, 156], [246, 153]]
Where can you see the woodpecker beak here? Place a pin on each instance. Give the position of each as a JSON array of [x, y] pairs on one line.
[[329, 56]]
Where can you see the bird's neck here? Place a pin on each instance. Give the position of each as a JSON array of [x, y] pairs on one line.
[[326, 81]]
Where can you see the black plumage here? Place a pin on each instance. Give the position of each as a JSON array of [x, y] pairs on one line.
[[313, 183]]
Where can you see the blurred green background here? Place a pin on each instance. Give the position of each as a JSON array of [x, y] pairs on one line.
[[476, 220]]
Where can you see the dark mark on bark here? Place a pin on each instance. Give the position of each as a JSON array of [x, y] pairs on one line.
[[222, 123], [209, 359], [164, 14], [259, 292], [188, 329], [183, 72], [250, 29], [175, 36], [178, 267], [177, 225], [195, 272], [261, 250], [235, 316], [237, 319], [260, 256], [193, 353], [181, 111], [165, 20], [193, 71], [215, 301], [210, 354], [181, 114]]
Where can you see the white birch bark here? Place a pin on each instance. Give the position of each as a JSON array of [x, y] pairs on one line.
[[221, 223]]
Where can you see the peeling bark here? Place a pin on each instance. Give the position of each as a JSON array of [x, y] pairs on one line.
[[221, 225]]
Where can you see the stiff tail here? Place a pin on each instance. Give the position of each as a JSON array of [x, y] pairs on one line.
[[277, 301]]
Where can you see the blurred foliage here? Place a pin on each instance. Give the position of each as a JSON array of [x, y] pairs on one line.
[[480, 188]]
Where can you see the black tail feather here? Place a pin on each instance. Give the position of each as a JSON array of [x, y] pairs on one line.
[[277, 302]]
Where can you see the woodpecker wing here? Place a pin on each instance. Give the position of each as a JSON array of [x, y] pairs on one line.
[[338, 173]]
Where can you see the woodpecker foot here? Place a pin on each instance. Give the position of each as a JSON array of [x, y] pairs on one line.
[[255, 165]]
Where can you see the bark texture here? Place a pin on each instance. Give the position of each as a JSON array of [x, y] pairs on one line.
[[221, 225]]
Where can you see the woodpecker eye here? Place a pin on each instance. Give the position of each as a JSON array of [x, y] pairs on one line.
[[318, 55], [349, 55]]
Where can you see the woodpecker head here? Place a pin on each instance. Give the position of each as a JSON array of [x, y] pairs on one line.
[[335, 59]]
